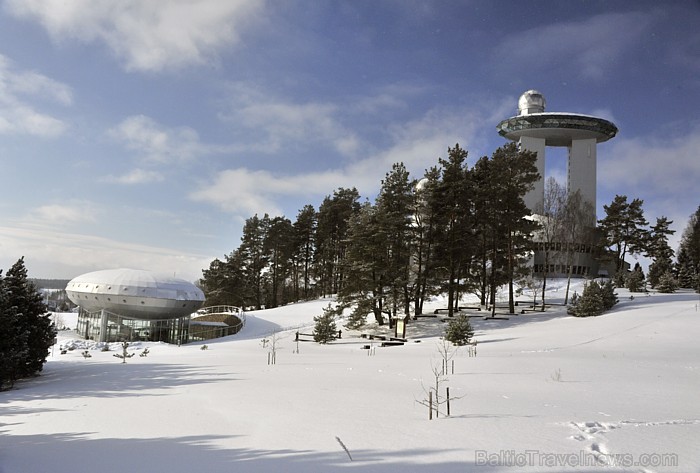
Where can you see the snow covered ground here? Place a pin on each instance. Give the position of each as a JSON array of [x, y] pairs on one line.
[[546, 392]]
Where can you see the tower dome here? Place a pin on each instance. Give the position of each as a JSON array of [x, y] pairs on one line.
[[531, 101]]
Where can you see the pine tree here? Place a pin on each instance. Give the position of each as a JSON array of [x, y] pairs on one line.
[[333, 218], [667, 283], [595, 299], [364, 267], [278, 250], [513, 174], [253, 256], [659, 250], [304, 250], [325, 329], [488, 232], [591, 303], [688, 265], [13, 341], [454, 223], [224, 283], [33, 318], [459, 331], [623, 231], [635, 280], [609, 295], [423, 267], [395, 206]]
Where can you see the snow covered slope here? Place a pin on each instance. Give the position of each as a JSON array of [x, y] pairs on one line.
[[546, 392]]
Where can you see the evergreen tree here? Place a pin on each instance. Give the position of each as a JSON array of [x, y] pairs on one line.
[[454, 223], [224, 283], [324, 329], [659, 250], [685, 270], [254, 258], [688, 265], [595, 300], [424, 238], [667, 283], [513, 174], [13, 341], [395, 207], [33, 328], [634, 281], [333, 217], [488, 233], [623, 230], [459, 331], [304, 249], [364, 267], [278, 250], [590, 303], [609, 295]]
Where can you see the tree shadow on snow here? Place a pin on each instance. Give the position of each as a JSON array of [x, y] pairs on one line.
[[76, 380], [77, 453]]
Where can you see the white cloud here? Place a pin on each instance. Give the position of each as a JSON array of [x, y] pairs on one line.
[[56, 254], [417, 144], [660, 166], [284, 123], [664, 172], [18, 90], [53, 214], [136, 176], [158, 144], [592, 45], [147, 35]]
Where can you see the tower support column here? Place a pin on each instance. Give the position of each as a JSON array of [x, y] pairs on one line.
[[582, 169], [534, 199]]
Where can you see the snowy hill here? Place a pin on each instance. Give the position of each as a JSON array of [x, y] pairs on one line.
[[546, 392]]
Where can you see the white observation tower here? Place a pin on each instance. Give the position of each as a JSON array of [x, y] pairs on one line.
[[536, 129]]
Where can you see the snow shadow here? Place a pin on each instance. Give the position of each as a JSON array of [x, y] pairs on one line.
[[106, 380], [641, 300], [77, 453]]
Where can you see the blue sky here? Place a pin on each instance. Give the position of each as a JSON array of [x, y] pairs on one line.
[[143, 133]]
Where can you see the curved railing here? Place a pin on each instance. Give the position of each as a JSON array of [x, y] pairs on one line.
[[218, 309], [223, 310]]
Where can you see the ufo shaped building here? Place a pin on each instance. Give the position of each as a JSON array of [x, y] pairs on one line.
[[129, 304]]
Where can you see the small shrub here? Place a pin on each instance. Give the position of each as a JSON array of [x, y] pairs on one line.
[[595, 300], [325, 329], [124, 355], [556, 375], [635, 281], [667, 283], [459, 331], [609, 295]]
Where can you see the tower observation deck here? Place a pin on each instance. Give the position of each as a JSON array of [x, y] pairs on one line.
[[536, 129]]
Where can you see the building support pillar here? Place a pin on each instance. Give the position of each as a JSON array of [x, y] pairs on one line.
[[534, 199], [103, 326]]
